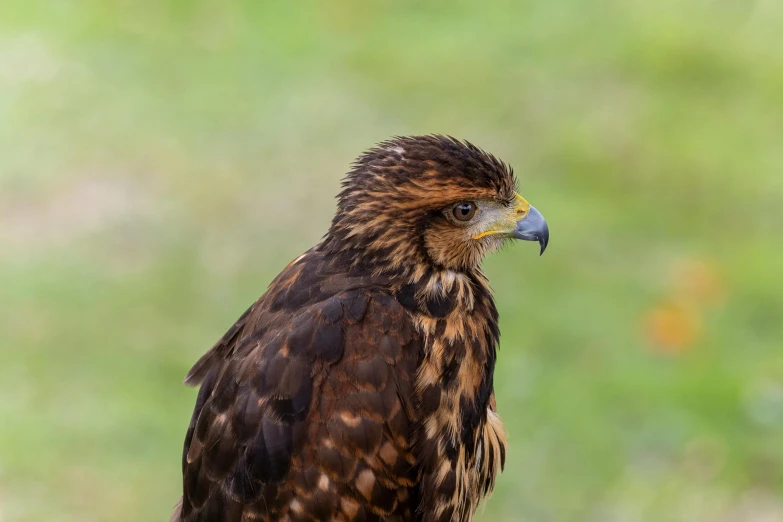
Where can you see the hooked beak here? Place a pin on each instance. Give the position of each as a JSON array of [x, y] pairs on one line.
[[533, 227]]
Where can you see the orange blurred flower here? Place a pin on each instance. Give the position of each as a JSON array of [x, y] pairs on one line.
[[673, 327]]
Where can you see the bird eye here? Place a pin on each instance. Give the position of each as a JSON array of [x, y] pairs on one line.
[[464, 211]]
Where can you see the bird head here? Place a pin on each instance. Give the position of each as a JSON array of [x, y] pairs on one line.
[[433, 201]]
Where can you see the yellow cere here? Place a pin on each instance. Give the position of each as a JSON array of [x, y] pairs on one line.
[[521, 208], [520, 204]]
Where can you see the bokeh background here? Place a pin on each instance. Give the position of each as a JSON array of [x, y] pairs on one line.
[[161, 161]]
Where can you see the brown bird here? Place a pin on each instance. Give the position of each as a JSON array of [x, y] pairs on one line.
[[359, 386]]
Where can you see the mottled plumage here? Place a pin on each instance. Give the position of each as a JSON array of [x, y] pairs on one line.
[[359, 386]]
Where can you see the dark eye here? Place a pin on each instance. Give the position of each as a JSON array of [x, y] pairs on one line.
[[464, 211]]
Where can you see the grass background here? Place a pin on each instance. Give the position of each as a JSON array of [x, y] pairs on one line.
[[160, 162]]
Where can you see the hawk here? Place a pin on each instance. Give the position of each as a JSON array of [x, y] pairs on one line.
[[359, 387]]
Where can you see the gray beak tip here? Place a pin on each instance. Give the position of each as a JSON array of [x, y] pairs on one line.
[[533, 227]]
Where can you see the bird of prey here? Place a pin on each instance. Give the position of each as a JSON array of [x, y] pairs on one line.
[[359, 387]]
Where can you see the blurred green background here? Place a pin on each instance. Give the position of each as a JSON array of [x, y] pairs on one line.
[[160, 162]]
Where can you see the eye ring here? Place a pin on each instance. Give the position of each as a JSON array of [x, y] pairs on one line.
[[464, 211]]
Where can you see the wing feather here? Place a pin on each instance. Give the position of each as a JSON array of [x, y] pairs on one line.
[[305, 413]]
